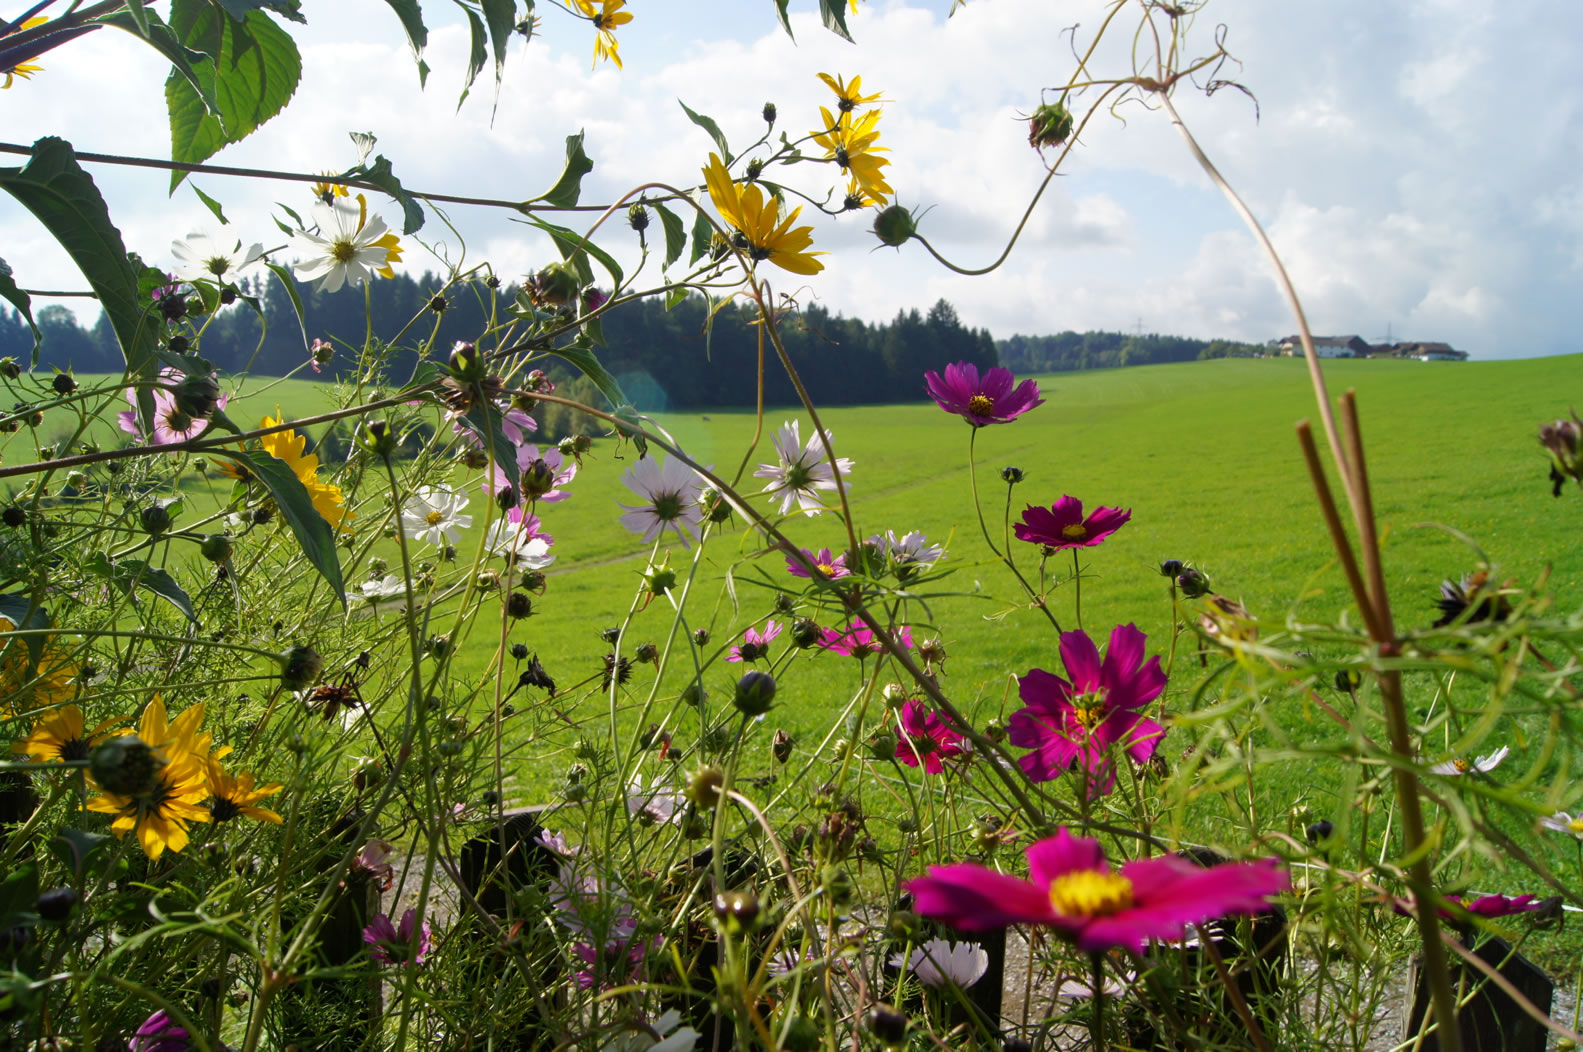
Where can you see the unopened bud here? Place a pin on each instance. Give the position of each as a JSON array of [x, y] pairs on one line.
[[755, 693], [895, 226], [737, 911], [376, 437], [638, 217], [300, 668], [1011, 475], [125, 765], [705, 787], [216, 548], [1050, 125]]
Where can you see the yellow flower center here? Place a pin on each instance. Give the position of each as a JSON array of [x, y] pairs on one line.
[[1075, 532], [434, 518], [217, 265], [826, 569], [343, 251], [1462, 766], [1576, 825], [980, 405], [1090, 893]]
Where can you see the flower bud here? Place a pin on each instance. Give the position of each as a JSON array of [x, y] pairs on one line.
[[894, 694], [375, 437], [538, 478], [716, 509], [216, 548], [1050, 125], [781, 746], [705, 787], [63, 383], [197, 396], [648, 653], [1011, 475], [1320, 830], [155, 519], [1192, 583], [519, 605], [13, 516], [882, 746], [125, 765], [737, 911], [519, 651], [768, 113], [895, 226], [1171, 568], [659, 580], [638, 217], [300, 668], [701, 637], [805, 632], [56, 904], [694, 694], [755, 693], [556, 285], [887, 1024], [995, 731], [1348, 679], [466, 363], [323, 352], [438, 304], [9, 368]]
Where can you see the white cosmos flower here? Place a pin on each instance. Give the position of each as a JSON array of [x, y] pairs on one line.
[[913, 549], [1562, 822], [673, 1037], [214, 257], [660, 804], [938, 962], [519, 540], [1460, 766], [387, 587], [434, 516], [670, 499], [802, 471], [350, 248]]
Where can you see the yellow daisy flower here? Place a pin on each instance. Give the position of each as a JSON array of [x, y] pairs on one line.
[[768, 236], [857, 196], [327, 192], [160, 816], [606, 15], [25, 686], [235, 795], [851, 144], [392, 246], [59, 736], [25, 70], [288, 446], [850, 96]]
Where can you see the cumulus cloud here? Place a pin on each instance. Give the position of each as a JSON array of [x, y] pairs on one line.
[[1414, 163]]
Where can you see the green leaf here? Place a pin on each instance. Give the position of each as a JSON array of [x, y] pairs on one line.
[[284, 276], [712, 128], [254, 67], [210, 203], [834, 14], [583, 357], [675, 234], [675, 297], [134, 8], [411, 14], [287, 9], [484, 420], [780, 12], [20, 611], [573, 246], [569, 186], [477, 55], [18, 894], [313, 533], [502, 18], [380, 174], [74, 847], [703, 232], [128, 574], [63, 197], [21, 301]]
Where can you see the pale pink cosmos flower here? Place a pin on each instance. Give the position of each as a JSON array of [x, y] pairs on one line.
[[392, 944], [755, 645], [802, 471], [669, 495], [859, 640], [171, 425]]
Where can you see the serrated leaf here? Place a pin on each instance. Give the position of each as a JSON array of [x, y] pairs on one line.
[[675, 234], [284, 276], [21, 301], [287, 9], [63, 197], [313, 533], [128, 574], [569, 186], [411, 14], [381, 175], [703, 232], [780, 13], [502, 18], [575, 248], [477, 54], [834, 14], [708, 125], [210, 203], [254, 67]]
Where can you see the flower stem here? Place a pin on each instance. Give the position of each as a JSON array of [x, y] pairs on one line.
[[1077, 583], [1096, 1021]]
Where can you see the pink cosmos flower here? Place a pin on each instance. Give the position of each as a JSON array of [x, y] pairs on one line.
[[859, 640], [160, 1033], [374, 863], [755, 644], [926, 737], [1487, 907], [619, 962], [1062, 524], [1082, 719], [985, 401], [390, 944], [1074, 891], [832, 566], [171, 425]]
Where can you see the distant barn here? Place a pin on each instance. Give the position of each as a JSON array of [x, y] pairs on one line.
[[1328, 346]]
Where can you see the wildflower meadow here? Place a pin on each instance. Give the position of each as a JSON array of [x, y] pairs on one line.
[[315, 744]]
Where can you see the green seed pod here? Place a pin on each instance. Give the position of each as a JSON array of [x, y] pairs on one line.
[[300, 668], [705, 787], [216, 548], [155, 519], [895, 226], [755, 693], [125, 765]]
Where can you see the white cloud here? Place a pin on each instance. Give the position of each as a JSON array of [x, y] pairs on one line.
[[1413, 163]]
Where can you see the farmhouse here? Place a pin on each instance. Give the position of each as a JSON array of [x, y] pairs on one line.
[[1357, 347], [1430, 352], [1328, 346]]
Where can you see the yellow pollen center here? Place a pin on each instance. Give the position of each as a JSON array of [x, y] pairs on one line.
[[1576, 825], [343, 251], [434, 518], [1462, 766], [826, 569], [1090, 893], [1075, 532], [1088, 717], [980, 405]]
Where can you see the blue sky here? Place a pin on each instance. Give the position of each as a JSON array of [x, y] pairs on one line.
[[1415, 162]]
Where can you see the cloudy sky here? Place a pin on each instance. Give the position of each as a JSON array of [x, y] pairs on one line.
[[1416, 161]]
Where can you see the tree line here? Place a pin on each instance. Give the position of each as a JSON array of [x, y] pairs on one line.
[[1069, 351]]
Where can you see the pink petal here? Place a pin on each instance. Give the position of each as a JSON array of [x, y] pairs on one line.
[[1081, 658], [973, 898], [1064, 853]]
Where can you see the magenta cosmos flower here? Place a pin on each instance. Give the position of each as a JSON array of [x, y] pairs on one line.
[[755, 644], [831, 566], [391, 944], [160, 1033], [1062, 524], [859, 640], [927, 738], [1076, 892], [981, 402], [1079, 720]]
